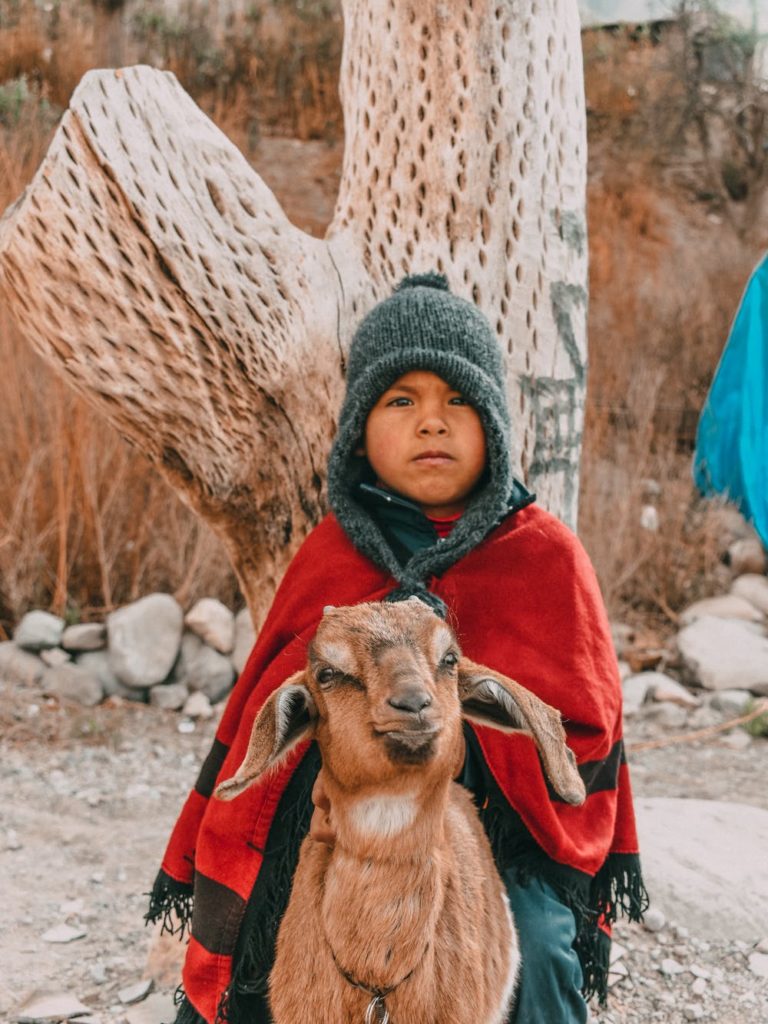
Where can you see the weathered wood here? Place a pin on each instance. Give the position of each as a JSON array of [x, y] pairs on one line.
[[153, 268]]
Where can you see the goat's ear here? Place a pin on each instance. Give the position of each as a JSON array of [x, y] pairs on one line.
[[489, 698], [287, 718]]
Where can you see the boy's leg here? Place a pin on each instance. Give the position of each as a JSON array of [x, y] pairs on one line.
[[550, 978]]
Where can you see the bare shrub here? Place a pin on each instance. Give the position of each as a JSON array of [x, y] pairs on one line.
[[663, 296]]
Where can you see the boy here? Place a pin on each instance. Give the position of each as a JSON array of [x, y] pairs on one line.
[[424, 503]]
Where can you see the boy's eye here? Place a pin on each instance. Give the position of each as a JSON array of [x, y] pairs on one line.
[[399, 402], [458, 400]]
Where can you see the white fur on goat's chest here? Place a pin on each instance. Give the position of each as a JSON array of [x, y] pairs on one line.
[[383, 816]]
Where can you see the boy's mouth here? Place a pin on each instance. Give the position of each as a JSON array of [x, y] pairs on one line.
[[433, 457]]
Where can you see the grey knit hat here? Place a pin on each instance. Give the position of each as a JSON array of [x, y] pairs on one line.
[[423, 326]]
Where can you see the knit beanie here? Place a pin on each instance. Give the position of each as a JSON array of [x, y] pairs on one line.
[[422, 326]]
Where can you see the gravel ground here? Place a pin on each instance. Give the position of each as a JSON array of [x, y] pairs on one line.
[[88, 799]]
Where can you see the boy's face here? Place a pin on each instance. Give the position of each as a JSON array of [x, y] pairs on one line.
[[424, 441]]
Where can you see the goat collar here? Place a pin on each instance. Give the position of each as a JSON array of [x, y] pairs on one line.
[[377, 1012]]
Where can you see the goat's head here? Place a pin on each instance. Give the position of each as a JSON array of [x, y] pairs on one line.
[[384, 693]]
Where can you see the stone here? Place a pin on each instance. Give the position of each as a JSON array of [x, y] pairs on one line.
[[214, 623], [168, 696], [670, 966], [18, 666], [72, 683], [635, 691], [725, 654], [51, 1006], [693, 1011], [654, 919], [699, 986], [97, 663], [156, 1009], [736, 740], [668, 716], [625, 670], [54, 656], [98, 974], [746, 556], [197, 706], [649, 518], [665, 689], [210, 673], [85, 636], [731, 702], [12, 841], [144, 639], [752, 588], [758, 964], [245, 638], [762, 946], [62, 933], [725, 606], [704, 863], [136, 992], [38, 630]]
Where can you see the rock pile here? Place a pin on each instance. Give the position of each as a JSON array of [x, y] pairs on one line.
[[147, 651], [714, 668]]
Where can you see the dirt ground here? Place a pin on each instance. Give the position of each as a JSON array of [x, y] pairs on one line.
[[88, 799]]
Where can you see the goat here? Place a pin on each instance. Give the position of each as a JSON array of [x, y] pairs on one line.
[[401, 914]]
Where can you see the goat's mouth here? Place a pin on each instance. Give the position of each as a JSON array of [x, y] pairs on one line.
[[410, 746]]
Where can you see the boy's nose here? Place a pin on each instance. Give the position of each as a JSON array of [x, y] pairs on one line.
[[433, 425]]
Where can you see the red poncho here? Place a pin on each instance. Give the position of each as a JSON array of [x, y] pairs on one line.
[[524, 602]]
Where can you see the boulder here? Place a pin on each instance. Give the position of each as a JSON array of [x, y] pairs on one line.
[[73, 683], [725, 654], [731, 703], [725, 606], [753, 588], [85, 636], [97, 664], [668, 716], [168, 696], [20, 667], [214, 623], [245, 638], [664, 689], [53, 656], [210, 673], [144, 639], [197, 705], [636, 691], [38, 630], [747, 556], [704, 865]]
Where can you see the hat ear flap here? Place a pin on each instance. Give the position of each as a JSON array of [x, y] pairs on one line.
[[287, 718]]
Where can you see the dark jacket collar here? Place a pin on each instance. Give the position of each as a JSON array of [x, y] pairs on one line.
[[406, 528]]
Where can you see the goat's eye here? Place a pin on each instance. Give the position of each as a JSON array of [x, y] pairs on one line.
[[450, 660], [325, 675]]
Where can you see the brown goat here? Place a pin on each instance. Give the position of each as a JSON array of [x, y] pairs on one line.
[[404, 916]]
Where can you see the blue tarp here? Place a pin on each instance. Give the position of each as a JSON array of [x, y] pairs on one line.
[[731, 455]]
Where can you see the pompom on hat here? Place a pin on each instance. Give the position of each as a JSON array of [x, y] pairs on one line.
[[423, 326]]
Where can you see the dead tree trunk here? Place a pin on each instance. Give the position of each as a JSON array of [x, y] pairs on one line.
[[153, 268]]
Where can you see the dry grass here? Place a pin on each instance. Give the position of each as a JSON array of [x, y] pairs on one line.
[[85, 523], [664, 289]]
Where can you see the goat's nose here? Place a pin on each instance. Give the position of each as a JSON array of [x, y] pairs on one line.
[[412, 700]]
